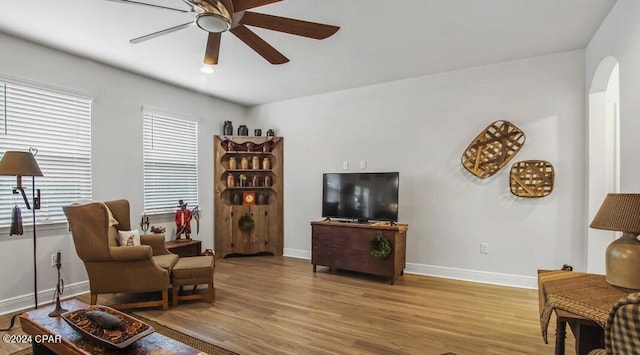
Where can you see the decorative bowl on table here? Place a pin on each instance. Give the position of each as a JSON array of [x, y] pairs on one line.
[[128, 331]]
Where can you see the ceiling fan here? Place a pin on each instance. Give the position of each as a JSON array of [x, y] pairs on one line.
[[219, 16]]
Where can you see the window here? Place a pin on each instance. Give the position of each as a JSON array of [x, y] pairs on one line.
[[58, 125], [170, 162]]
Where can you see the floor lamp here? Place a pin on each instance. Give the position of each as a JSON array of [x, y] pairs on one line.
[[19, 164]]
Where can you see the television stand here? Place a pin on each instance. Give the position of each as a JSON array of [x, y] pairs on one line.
[[346, 246]]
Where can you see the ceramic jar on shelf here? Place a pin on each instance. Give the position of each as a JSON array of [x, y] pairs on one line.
[[233, 163], [227, 128], [244, 163], [243, 130], [255, 162], [266, 163]]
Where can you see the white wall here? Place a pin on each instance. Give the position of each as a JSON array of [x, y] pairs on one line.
[[619, 37], [420, 127], [116, 155]]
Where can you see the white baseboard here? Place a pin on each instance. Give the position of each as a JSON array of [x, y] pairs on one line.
[[44, 297], [297, 253], [485, 277], [493, 278]]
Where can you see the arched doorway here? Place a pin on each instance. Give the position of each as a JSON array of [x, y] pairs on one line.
[[604, 154]]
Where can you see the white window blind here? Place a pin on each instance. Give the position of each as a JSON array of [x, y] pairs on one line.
[[58, 125], [170, 162]]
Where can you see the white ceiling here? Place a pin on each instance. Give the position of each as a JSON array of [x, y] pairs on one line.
[[379, 40]]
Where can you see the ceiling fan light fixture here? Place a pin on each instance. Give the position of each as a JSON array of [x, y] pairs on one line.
[[213, 22]]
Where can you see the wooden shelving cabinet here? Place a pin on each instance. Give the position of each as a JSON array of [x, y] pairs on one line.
[[234, 181]]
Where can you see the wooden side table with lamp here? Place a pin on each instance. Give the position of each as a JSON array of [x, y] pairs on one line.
[[584, 300]]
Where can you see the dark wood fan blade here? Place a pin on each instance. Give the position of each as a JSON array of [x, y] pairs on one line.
[[259, 45], [150, 5], [213, 49], [288, 25], [160, 33], [241, 5]]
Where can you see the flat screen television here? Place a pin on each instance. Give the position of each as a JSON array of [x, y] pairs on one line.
[[361, 196]]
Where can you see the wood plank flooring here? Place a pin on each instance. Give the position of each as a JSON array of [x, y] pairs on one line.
[[277, 305]]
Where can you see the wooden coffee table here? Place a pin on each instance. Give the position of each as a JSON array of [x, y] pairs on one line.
[[57, 337]]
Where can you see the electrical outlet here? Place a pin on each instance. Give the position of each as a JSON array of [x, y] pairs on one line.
[[345, 165], [53, 260], [484, 248]]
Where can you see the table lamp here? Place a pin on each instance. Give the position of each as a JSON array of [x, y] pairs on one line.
[[21, 164], [621, 213]]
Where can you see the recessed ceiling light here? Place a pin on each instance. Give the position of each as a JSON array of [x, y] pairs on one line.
[[207, 69]]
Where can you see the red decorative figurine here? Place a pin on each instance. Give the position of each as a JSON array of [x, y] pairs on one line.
[[183, 221]]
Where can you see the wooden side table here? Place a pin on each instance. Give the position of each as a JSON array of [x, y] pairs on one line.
[[185, 248], [588, 334], [579, 299]]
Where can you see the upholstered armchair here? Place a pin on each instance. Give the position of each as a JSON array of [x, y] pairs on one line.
[[119, 269], [622, 331]]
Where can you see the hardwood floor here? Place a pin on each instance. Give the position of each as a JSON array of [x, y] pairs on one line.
[[277, 305]]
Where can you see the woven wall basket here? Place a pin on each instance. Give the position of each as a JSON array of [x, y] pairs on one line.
[[492, 149], [531, 178]]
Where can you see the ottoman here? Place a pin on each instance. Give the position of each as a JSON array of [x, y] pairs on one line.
[[195, 270]]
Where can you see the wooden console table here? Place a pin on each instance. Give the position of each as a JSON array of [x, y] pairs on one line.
[[579, 299], [185, 248], [38, 324], [343, 245]]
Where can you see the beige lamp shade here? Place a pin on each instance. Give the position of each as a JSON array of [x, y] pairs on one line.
[[621, 212], [19, 164]]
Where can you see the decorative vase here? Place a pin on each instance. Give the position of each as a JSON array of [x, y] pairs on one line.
[[243, 180], [267, 181], [266, 163], [255, 164], [236, 199], [233, 163], [244, 163], [243, 130], [271, 133], [255, 181], [227, 128], [261, 199], [257, 132], [231, 180]]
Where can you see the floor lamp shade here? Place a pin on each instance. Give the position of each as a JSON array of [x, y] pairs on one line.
[[19, 164], [621, 213]]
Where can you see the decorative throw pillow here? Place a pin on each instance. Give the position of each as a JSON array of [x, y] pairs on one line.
[[128, 238]]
